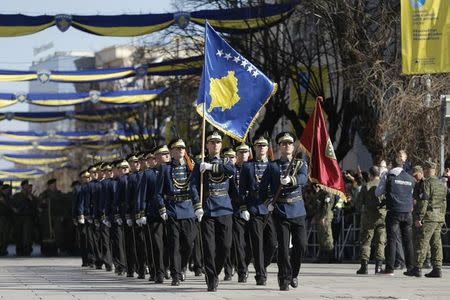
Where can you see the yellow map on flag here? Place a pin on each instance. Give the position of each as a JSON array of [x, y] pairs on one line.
[[224, 92]]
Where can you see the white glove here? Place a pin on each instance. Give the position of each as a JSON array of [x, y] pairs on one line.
[[164, 216], [205, 166], [81, 220], [270, 207], [107, 223], [144, 220], [139, 222], [129, 222], [285, 180], [90, 221], [245, 215], [119, 221], [199, 214]]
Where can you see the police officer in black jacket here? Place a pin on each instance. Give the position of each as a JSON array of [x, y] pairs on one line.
[[397, 186]]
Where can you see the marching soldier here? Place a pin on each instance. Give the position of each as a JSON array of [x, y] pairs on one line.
[[95, 191], [135, 219], [289, 208], [157, 214], [240, 251], [105, 207], [255, 210], [373, 225], [217, 222], [82, 215], [175, 195], [122, 231], [429, 218]]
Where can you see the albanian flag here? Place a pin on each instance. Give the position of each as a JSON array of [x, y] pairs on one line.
[[315, 141]]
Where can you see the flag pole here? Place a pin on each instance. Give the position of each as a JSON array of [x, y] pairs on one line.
[[203, 149]]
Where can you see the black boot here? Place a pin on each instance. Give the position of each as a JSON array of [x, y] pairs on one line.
[[435, 273], [363, 269], [414, 272], [378, 266], [284, 285]]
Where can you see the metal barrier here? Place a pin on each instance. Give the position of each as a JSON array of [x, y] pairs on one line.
[[346, 246]]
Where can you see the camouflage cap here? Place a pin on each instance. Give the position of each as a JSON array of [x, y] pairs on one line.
[[242, 148], [417, 169], [260, 140], [429, 165], [213, 136], [162, 149], [177, 143]]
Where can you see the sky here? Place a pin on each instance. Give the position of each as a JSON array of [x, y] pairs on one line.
[[16, 53]]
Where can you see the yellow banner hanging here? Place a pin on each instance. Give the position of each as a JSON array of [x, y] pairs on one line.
[[425, 36]]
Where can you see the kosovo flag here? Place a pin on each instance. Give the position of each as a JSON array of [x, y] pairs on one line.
[[232, 89]]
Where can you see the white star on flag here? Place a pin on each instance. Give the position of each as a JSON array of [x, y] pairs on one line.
[[255, 74], [250, 68], [219, 53], [236, 59], [227, 56], [244, 63]]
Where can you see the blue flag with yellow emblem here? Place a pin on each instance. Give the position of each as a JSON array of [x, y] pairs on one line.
[[232, 88]]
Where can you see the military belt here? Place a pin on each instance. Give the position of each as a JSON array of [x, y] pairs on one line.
[[218, 193], [178, 198], [289, 200]]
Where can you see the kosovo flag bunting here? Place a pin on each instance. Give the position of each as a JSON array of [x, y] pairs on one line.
[[232, 88], [316, 143]]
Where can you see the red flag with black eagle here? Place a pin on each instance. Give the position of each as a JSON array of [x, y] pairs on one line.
[[315, 141]]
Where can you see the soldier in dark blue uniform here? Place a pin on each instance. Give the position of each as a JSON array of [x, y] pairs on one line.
[[147, 194], [255, 209], [174, 193], [80, 192], [115, 219], [217, 223], [106, 199], [95, 188], [157, 215], [123, 231], [240, 246], [288, 208], [135, 218], [90, 208]]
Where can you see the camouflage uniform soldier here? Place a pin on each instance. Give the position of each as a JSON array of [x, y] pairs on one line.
[[429, 218], [322, 203], [417, 194], [373, 225]]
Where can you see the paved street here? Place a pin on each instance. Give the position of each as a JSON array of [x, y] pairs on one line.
[[62, 278]]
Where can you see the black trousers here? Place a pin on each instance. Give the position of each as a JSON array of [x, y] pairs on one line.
[[82, 242], [240, 255], [130, 248], [399, 226], [157, 236], [141, 249], [216, 239], [90, 242], [105, 245], [117, 247], [289, 265], [196, 255], [96, 236], [256, 228], [270, 241], [181, 234]]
